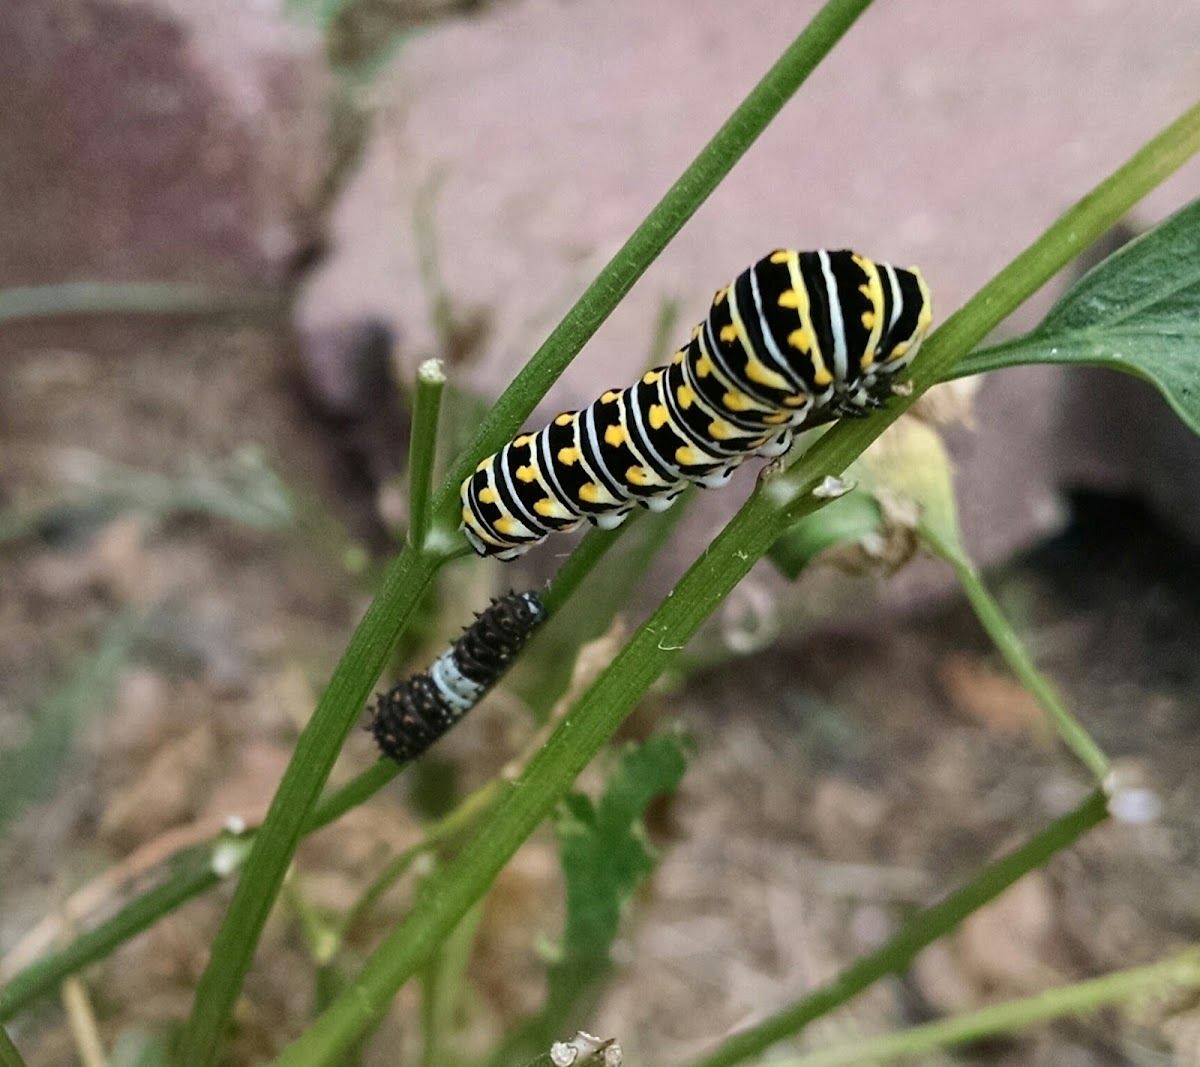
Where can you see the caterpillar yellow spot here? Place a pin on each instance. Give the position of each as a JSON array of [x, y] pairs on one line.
[[637, 476], [790, 299], [651, 376], [780, 256], [720, 430], [703, 367], [568, 457], [687, 456], [729, 333], [521, 440], [547, 508], [615, 436], [527, 474], [821, 373], [735, 401], [685, 396], [487, 496], [796, 400], [777, 418], [761, 375], [589, 493], [719, 296], [658, 416], [505, 525], [565, 419], [611, 397], [677, 358], [799, 340]]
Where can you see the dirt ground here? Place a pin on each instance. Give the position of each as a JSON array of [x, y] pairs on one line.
[[183, 562]]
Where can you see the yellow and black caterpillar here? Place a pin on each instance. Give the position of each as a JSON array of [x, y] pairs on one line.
[[795, 339]]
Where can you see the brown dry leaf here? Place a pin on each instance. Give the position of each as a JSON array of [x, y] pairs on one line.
[[998, 702]]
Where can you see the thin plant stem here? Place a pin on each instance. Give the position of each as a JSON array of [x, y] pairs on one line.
[[192, 872], [357, 791], [1181, 971], [778, 503], [920, 930], [443, 987], [452, 825], [1006, 640], [662, 338], [431, 380], [275, 843]]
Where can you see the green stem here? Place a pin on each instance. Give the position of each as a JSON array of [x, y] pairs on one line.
[[444, 982], [1005, 638], [778, 503], [1180, 971], [191, 872], [358, 790], [920, 930], [442, 832], [1074, 230], [664, 339], [275, 844], [431, 380]]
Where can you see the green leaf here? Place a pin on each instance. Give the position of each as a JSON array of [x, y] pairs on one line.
[[605, 855], [1138, 312], [850, 518]]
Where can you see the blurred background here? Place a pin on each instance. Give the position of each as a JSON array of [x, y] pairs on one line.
[[230, 232]]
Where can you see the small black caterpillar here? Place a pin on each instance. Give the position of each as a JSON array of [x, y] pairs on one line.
[[413, 714], [795, 340]]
